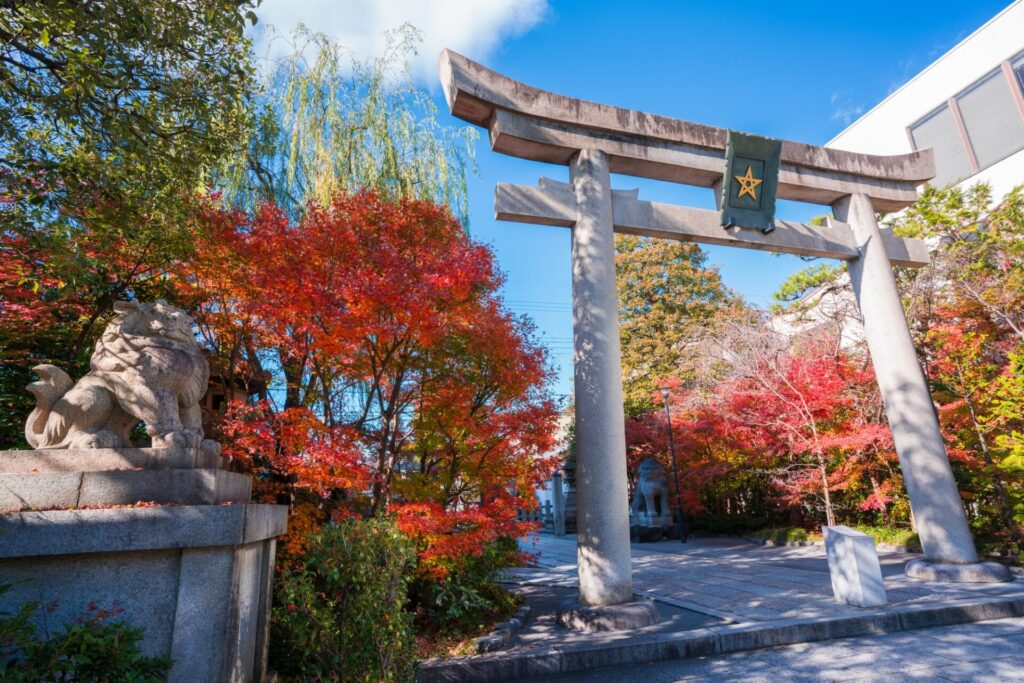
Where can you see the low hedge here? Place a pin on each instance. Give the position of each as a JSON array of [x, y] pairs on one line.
[[893, 535], [889, 535], [784, 535]]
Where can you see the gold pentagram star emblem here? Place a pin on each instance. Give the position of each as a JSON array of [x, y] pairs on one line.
[[748, 184]]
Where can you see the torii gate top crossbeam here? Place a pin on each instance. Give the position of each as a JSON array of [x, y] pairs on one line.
[[535, 124]]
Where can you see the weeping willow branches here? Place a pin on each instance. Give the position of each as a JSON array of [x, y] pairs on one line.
[[332, 121]]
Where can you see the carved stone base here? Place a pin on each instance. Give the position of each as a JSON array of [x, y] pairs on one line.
[[644, 519], [624, 617], [977, 572]]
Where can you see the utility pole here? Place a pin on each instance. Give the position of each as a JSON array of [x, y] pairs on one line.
[[675, 469]]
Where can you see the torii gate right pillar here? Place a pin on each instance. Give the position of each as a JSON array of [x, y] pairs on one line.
[[934, 498]]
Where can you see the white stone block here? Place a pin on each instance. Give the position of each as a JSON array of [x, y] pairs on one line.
[[853, 565]]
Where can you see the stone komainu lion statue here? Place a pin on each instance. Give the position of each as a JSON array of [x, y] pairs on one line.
[[146, 368], [651, 495]]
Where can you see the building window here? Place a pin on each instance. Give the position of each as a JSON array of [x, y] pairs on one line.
[[993, 122], [938, 131]]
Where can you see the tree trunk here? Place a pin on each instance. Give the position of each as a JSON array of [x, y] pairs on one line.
[[878, 494], [830, 517]]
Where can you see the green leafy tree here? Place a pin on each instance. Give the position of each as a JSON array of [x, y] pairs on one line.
[[1007, 419], [111, 116], [969, 379], [114, 111], [668, 296], [978, 263], [794, 287]]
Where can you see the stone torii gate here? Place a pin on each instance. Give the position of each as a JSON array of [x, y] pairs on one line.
[[594, 140]]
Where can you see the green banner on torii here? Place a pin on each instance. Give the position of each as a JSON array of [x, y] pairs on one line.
[[751, 181]]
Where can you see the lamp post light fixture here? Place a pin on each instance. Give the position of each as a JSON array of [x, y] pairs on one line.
[[675, 469]]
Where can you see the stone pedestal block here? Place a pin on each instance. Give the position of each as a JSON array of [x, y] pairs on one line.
[[108, 459], [197, 579], [62, 490], [98, 477], [644, 519], [193, 567], [854, 568]]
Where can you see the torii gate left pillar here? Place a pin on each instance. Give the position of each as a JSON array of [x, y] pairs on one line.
[[602, 528]]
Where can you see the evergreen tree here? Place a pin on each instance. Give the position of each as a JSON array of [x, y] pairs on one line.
[[667, 297]]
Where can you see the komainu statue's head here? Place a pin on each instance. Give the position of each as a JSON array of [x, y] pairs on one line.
[[157, 319], [651, 469]]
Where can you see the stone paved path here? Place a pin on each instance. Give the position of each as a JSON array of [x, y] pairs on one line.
[[727, 595], [744, 583], [984, 651]]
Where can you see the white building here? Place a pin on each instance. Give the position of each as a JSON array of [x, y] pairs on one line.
[[968, 106]]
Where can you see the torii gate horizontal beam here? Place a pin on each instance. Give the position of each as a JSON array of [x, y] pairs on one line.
[[530, 123], [553, 203]]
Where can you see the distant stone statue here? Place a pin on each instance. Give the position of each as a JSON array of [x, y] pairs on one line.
[[146, 368], [650, 502]]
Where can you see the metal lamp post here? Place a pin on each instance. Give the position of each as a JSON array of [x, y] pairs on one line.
[[675, 470]]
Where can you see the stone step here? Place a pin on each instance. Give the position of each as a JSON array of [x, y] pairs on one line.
[[103, 459], [542, 661], [66, 490]]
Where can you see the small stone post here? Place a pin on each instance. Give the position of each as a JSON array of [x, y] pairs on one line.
[[602, 496], [853, 567], [559, 496], [934, 498]]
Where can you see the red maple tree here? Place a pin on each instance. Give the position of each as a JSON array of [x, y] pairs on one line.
[[400, 382]]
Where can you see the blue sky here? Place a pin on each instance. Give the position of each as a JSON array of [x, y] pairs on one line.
[[797, 70]]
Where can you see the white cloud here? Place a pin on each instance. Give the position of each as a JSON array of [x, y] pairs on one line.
[[472, 27], [843, 108]]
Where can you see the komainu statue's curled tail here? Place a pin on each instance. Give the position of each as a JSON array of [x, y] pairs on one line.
[[50, 388]]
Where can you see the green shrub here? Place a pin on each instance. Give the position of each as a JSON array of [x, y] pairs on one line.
[[468, 594], [783, 535], [340, 616], [725, 525], [92, 648]]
